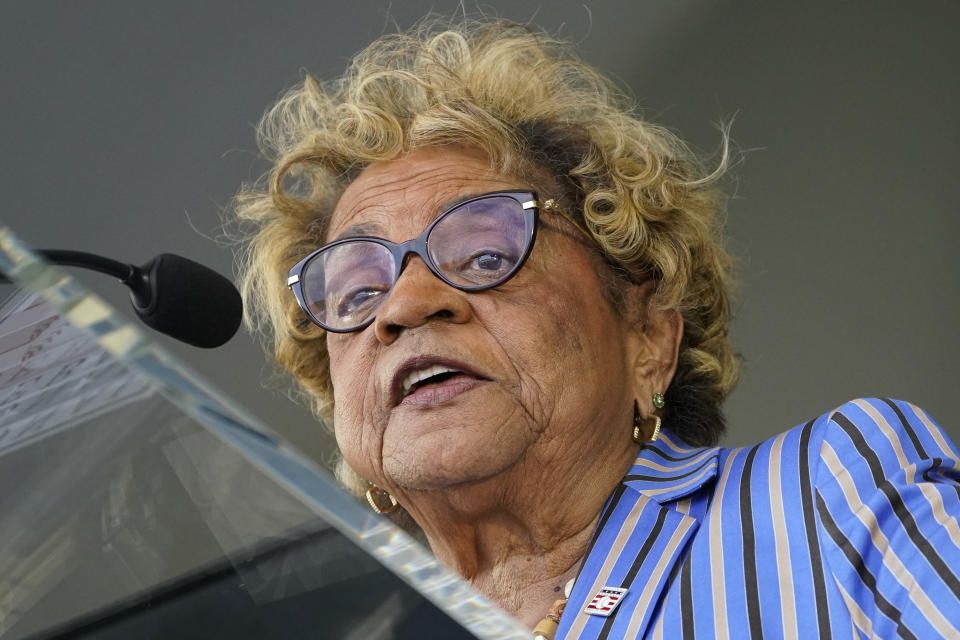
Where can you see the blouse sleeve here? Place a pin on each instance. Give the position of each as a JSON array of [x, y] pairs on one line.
[[887, 500]]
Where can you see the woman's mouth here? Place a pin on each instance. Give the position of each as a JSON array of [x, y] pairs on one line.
[[440, 388], [428, 383]]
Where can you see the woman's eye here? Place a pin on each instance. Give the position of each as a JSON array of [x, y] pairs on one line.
[[357, 300], [488, 263]]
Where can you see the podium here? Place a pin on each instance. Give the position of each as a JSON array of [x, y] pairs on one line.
[[136, 501]]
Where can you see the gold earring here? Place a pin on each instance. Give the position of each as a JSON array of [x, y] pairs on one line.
[[656, 428], [639, 424], [376, 498]]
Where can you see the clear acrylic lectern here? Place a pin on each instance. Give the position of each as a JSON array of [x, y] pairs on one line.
[[138, 502]]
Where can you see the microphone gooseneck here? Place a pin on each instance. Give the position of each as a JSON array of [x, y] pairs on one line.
[[172, 294]]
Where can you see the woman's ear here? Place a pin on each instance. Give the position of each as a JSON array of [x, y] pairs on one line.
[[653, 342]]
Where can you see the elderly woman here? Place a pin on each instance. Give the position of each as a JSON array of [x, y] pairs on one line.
[[508, 294]]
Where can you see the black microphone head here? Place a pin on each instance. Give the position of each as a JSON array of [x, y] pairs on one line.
[[187, 301]]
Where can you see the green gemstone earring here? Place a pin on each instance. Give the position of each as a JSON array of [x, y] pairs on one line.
[[658, 400]]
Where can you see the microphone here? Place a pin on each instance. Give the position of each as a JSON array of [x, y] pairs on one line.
[[172, 294]]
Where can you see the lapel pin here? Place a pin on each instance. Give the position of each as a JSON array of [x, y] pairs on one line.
[[605, 601]]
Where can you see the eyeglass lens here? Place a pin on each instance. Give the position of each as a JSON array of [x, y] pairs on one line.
[[478, 244]]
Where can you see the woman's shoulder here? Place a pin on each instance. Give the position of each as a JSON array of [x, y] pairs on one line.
[[865, 445], [881, 434], [886, 498], [865, 498]]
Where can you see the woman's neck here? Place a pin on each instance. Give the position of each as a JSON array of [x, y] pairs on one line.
[[520, 537], [526, 580]]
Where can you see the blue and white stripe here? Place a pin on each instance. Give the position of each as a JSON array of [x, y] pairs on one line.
[[845, 526]]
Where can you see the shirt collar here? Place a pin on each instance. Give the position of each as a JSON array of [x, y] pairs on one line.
[[669, 469]]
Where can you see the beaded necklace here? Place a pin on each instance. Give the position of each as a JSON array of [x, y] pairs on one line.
[[547, 627]]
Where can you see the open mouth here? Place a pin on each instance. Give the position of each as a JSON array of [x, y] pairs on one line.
[[433, 379], [436, 374], [431, 383]]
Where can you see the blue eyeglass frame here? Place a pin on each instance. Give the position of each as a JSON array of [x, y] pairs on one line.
[[418, 246]]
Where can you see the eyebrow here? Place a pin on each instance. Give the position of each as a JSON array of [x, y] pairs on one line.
[[357, 230], [367, 229], [452, 202]]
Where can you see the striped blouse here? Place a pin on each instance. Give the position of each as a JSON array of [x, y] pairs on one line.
[[845, 526]]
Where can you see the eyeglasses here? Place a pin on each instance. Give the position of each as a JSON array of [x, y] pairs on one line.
[[476, 245]]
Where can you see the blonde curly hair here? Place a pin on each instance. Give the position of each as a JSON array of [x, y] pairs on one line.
[[537, 110]]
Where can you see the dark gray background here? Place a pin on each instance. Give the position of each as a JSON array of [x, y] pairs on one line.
[[128, 126]]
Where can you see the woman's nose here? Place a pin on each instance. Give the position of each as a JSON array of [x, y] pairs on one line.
[[418, 297]]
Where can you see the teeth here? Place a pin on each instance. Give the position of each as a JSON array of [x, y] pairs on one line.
[[422, 374]]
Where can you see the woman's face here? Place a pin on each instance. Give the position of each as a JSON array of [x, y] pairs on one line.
[[541, 361]]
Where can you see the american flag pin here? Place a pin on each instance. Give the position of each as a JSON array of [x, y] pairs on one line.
[[605, 601]]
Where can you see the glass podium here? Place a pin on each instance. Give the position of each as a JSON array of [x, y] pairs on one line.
[[138, 502]]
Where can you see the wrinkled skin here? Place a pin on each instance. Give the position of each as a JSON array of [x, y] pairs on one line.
[[518, 460]]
